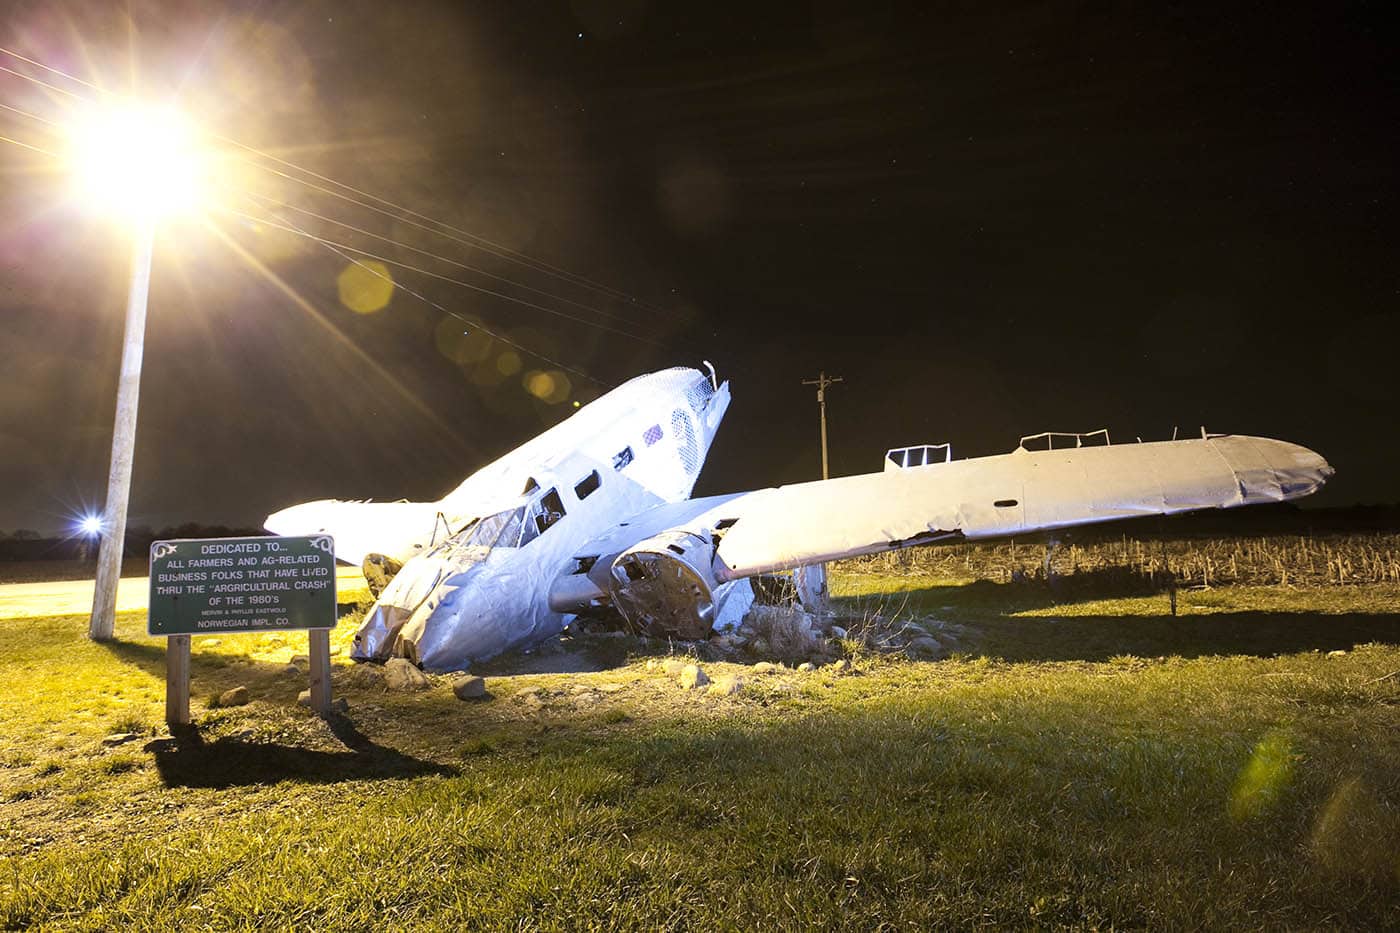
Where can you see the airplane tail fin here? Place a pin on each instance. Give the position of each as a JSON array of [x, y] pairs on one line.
[[361, 528]]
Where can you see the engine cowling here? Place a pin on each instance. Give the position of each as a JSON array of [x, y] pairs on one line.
[[665, 585]]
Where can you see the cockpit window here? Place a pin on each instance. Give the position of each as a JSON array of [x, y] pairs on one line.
[[499, 530], [472, 544], [549, 510]]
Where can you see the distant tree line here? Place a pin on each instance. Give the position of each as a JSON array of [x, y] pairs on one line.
[[1284, 518], [27, 544]]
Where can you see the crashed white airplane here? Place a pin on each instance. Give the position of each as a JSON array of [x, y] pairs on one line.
[[594, 516]]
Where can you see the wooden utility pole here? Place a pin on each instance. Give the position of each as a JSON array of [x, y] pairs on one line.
[[109, 552], [821, 382]]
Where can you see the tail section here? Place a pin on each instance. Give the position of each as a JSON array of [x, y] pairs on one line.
[[397, 530]]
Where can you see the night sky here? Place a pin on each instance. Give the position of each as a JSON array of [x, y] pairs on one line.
[[990, 219]]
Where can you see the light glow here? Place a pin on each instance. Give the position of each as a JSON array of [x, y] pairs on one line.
[[91, 525], [136, 160]]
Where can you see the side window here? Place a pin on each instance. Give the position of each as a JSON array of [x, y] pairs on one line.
[[588, 485], [622, 458], [549, 510]]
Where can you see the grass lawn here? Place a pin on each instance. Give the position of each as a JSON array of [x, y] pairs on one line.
[[1084, 761]]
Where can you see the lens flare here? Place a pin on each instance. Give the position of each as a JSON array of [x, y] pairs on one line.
[[1265, 777], [508, 363], [365, 287], [551, 387]]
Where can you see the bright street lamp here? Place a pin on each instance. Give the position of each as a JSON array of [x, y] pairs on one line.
[[139, 163]]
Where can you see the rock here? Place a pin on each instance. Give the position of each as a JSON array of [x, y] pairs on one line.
[[674, 666], [692, 676], [238, 696], [292, 669], [119, 738], [401, 674], [1339, 653], [766, 667], [925, 648], [469, 688], [724, 644], [530, 697], [841, 667], [338, 704], [838, 632], [728, 685], [806, 667], [361, 675], [611, 688], [300, 660]]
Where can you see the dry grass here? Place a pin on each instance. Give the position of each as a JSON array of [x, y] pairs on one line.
[[1273, 560]]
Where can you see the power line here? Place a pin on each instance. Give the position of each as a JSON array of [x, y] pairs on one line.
[[43, 84], [438, 256], [291, 228], [378, 210], [32, 116], [446, 259], [28, 146], [471, 239], [339, 248], [335, 248], [464, 237]]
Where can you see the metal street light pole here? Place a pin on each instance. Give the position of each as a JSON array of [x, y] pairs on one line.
[[109, 556], [821, 382]]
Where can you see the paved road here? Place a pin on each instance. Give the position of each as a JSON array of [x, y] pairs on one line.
[[74, 597]]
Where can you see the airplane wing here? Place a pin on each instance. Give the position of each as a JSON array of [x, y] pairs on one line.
[[660, 569]]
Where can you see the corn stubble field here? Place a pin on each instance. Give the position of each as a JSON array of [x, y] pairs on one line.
[[1085, 758]]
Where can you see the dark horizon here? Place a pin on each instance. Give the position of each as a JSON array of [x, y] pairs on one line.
[[989, 222]]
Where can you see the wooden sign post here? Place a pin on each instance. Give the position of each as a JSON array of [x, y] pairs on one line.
[[177, 680], [224, 585]]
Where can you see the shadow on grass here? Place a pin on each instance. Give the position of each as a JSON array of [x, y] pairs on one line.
[[145, 655], [188, 761], [566, 655], [1260, 634], [989, 608]]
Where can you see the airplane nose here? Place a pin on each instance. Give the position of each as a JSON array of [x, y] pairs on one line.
[[1273, 471]]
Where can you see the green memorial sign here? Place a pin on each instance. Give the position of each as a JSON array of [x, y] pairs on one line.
[[200, 587]]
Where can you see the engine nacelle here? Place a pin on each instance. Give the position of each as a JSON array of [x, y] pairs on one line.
[[665, 585]]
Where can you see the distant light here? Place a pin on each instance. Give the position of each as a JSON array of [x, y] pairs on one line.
[[136, 160], [91, 524]]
